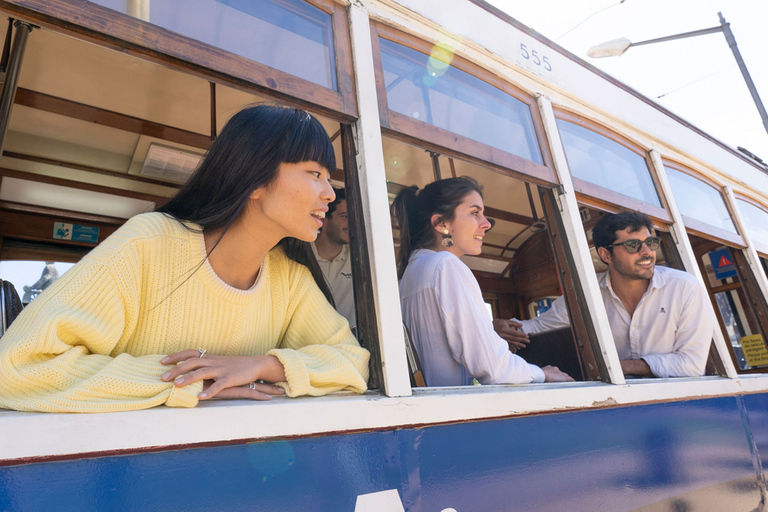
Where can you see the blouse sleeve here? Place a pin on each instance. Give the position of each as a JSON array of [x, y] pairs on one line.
[[318, 351], [469, 330], [57, 355]]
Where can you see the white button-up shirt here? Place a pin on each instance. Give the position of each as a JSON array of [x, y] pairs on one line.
[[671, 328], [444, 310]]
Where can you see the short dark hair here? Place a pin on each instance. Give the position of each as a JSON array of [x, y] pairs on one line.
[[341, 195], [604, 232]]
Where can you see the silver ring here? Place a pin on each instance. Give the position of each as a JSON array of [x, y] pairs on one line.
[[252, 385], [202, 351]]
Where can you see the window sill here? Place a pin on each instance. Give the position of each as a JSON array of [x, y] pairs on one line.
[[32, 437]]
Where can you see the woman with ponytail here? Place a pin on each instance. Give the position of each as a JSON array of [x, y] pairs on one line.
[[441, 301], [216, 295]]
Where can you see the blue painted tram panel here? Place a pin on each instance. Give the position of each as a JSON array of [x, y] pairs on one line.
[[614, 459]]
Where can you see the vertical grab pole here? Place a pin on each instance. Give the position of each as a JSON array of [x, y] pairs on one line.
[[12, 75]]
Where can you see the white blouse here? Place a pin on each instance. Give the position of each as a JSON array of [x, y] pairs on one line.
[[444, 311]]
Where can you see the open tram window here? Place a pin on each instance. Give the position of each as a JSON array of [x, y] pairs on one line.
[[519, 262], [54, 145], [739, 305]]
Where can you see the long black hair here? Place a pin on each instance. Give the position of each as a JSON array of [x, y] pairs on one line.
[[413, 210], [244, 157]]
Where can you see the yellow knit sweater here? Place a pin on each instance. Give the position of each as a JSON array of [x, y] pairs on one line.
[[93, 341]]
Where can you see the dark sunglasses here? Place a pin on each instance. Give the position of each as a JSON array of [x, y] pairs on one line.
[[634, 245]]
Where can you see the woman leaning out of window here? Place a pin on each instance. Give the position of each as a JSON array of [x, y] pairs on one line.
[[441, 301], [212, 296]]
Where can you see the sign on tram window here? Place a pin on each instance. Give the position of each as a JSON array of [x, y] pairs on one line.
[[722, 263], [604, 162], [290, 35], [428, 88], [755, 351], [699, 200]]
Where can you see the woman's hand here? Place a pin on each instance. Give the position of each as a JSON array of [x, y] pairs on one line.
[[229, 376], [553, 374]]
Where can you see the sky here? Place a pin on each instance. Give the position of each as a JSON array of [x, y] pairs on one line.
[[696, 78]]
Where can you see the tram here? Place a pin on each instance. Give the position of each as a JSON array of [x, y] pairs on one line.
[[107, 107]]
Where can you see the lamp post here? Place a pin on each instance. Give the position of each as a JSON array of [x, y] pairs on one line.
[[617, 47]]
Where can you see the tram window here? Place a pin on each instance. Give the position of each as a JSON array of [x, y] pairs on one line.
[[756, 220], [429, 89], [602, 161], [518, 263], [289, 35], [30, 278], [736, 302], [699, 200]]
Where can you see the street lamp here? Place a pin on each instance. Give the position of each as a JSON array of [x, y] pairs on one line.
[[617, 47]]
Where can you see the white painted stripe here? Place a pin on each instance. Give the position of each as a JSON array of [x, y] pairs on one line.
[[27, 435]]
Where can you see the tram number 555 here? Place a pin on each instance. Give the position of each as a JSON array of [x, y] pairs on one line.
[[533, 55]]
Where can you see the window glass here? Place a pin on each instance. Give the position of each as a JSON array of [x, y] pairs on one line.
[[756, 220], [289, 35], [429, 89], [700, 201], [604, 162], [30, 278]]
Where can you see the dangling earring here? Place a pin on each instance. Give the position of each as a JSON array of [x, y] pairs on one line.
[[447, 242]]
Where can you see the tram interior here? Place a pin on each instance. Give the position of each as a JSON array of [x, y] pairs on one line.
[[98, 135]]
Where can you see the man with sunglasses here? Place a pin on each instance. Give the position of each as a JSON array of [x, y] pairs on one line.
[[660, 317]]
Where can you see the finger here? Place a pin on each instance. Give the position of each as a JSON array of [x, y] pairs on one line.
[[238, 392], [258, 392], [516, 325], [205, 373], [185, 367], [180, 356]]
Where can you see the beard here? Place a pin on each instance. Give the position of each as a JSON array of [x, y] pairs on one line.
[[630, 270]]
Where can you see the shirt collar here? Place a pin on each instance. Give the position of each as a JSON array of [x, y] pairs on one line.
[[342, 256]]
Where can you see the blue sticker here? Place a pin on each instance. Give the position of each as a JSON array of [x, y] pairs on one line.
[[722, 263]]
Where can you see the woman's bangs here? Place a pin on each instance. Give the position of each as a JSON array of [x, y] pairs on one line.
[[309, 142]]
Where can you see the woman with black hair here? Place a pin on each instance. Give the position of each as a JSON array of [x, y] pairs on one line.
[[441, 301], [225, 266]]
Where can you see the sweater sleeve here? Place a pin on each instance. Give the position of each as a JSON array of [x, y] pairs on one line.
[[469, 330], [318, 351], [62, 354]]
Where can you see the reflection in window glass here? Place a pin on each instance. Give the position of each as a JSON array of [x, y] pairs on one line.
[[756, 220], [599, 160], [291, 35], [30, 278], [429, 89], [698, 200]]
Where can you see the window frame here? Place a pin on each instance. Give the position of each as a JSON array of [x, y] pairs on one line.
[[87, 21], [703, 229], [596, 196], [411, 131], [757, 204]]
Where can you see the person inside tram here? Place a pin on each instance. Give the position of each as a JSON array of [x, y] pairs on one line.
[[440, 298], [215, 295], [331, 249], [659, 316]]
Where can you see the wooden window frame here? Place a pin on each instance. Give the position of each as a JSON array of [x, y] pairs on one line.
[[415, 132], [595, 195], [752, 299], [702, 229], [109, 28]]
